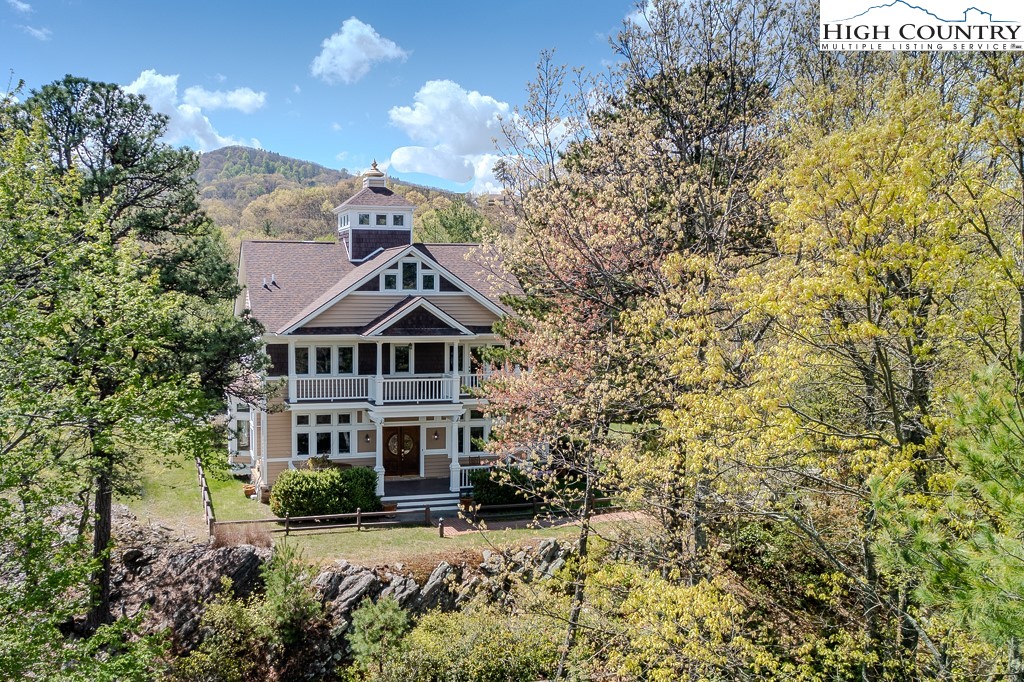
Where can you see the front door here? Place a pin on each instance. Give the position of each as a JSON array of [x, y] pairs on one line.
[[401, 450]]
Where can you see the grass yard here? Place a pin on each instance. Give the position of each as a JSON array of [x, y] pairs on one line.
[[169, 497]]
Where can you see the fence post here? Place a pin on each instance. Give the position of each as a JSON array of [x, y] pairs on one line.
[[286, 525], [536, 508], [426, 516], [359, 518], [440, 527]]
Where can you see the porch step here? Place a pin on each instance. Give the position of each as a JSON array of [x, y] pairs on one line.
[[437, 501]]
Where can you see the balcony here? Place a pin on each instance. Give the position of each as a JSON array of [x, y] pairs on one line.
[[385, 390]]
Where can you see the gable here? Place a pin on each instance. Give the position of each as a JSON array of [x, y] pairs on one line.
[[420, 322], [359, 309], [325, 312]]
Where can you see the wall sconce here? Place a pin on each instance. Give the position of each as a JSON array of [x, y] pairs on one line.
[[368, 438], [436, 436]]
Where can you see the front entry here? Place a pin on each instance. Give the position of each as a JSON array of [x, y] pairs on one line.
[[401, 450]]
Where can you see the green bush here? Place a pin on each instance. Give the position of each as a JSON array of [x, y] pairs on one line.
[[500, 486], [306, 492], [482, 644], [362, 488]]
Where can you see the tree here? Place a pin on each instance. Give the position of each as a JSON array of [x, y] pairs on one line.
[[151, 344], [457, 222], [49, 277]]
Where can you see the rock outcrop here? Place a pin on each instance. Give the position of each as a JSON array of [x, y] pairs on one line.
[[174, 580]]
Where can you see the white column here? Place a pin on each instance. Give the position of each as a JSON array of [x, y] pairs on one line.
[[379, 453], [455, 469], [291, 373]]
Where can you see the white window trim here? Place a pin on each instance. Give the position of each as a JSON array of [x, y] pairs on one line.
[[396, 270], [311, 349], [412, 358], [351, 428]]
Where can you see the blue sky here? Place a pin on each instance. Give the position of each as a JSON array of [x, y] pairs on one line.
[[417, 85]]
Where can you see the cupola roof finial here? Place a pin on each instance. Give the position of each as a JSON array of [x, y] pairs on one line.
[[374, 172]]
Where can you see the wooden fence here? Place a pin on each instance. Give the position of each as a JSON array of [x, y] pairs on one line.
[[204, 491]]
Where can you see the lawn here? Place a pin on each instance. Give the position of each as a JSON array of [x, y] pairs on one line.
[[169, 497]]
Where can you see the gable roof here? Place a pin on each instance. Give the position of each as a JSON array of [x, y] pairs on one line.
[[310, 276], [374, 196], [402, 311], [300, 271]]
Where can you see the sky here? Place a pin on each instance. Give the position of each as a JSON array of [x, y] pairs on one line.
[[418, 86]]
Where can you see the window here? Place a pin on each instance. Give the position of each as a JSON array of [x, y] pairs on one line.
[[346, 359], [409, 271], [398, 220], [302, 361], [402, 359], [475, 433], [382, 219], [462, 439], [323, 360], [315, 434], [390, 281], [364, 218], [476, 438], [343, 220], [429, 282], [242, 434]]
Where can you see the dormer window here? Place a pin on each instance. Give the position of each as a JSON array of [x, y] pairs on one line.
[[364, 218], [409, 276]]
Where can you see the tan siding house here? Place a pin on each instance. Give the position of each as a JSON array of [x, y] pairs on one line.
[[377, 342]]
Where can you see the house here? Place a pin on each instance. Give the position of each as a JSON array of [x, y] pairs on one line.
[[375, 345]]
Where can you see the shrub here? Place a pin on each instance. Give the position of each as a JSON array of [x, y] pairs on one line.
[[362, 488], [303, 492], [482, 644], [377, 630], [500, 486]]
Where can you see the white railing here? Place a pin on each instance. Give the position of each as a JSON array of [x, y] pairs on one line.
[[332, 388], [471, 382], [465, 472], [377, 389], [412, 389]]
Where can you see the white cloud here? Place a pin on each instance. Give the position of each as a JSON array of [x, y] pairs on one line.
[[296, 89], [348, 54], [18, 6], [445, 115], [245, 100], [335, 126], [456, 129], [37, 33], [186, 122], [433, 162]]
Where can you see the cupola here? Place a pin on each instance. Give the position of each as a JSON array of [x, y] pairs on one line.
[[374, 219]]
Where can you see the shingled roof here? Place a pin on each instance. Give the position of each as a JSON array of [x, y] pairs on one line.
[[373, 197], [303, 276]]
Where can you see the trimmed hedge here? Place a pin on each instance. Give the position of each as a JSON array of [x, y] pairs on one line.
[[306, 492], [489, 489]]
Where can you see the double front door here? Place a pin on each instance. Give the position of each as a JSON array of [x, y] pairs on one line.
[[401, 450]]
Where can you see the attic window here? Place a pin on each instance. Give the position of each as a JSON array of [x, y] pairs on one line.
[[409, 271], [364, 218], [382, 219], [398, 220], [413, 275]]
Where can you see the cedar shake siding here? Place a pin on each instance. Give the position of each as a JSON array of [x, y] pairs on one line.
[[429, 358], [360, 309], [367, 359], [420, 322], [365, 242]]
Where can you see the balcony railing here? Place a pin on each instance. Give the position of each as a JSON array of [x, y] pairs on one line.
[[332, 388], [380, 390]]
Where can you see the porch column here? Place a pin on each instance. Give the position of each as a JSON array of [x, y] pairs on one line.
[[379, 453], [455, 469]]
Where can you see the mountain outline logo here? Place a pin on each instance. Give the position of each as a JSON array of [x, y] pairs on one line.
[[904, 3], [921, 25]]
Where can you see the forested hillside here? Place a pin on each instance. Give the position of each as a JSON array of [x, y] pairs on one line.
[[254, 194]]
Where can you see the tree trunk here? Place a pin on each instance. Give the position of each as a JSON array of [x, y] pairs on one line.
[[99, 611], [871, 670], [579, 590]]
